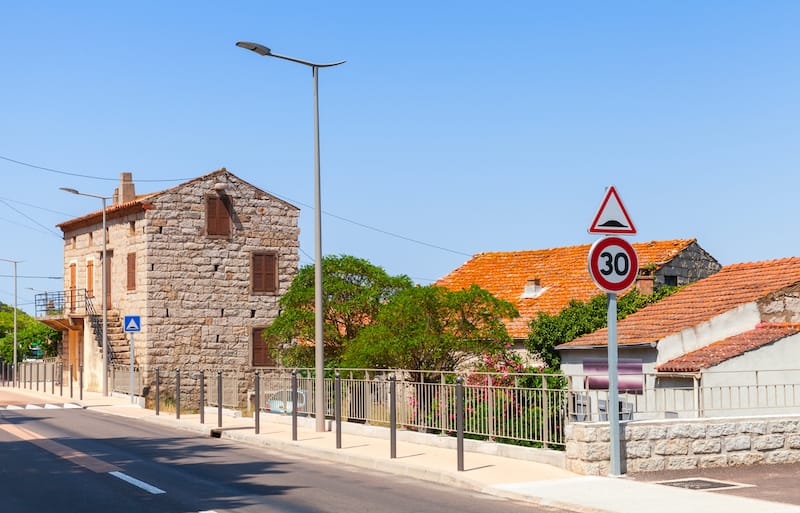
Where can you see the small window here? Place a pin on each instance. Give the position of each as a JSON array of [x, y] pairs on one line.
[[262, 356], [264, 272], [74, 242], [91, 239], [90, 278], [218, 216], [131, 271], [132, 226], [671, 281]]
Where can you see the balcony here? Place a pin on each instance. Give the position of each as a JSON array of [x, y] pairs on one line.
[[61, 310]]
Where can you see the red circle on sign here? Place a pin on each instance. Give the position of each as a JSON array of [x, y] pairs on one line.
[[613, 264]]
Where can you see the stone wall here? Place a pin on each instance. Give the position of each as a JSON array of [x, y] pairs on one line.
[[679, 444], [692, 264]]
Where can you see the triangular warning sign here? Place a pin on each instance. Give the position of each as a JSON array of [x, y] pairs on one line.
[[611, 217], [132, 325]]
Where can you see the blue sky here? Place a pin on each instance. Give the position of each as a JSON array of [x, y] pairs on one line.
[[454, 127]]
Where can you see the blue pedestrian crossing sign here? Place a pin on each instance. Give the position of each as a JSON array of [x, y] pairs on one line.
[[133, 323]]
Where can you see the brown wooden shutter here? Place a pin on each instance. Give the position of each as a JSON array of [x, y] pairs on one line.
[[90, 278], [265, 272], [131, 271], [261, 353], [218, 221]]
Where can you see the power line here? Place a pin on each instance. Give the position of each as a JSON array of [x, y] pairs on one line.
[[29, 218], [80, 175], [37, 206]]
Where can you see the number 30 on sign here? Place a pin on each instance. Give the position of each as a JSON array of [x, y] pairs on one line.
[[613, 264]]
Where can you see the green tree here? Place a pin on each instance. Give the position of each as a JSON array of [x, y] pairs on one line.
[[30, 333], [432, 328], [548, 331], [353, 292]]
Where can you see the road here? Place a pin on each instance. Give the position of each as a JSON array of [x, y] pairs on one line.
[[74, 460]]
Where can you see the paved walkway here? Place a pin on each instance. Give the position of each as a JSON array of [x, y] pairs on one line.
[[508, 477]]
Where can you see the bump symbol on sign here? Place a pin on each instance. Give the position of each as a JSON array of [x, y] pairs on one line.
[[611, 217]]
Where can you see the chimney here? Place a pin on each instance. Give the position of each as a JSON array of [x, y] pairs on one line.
[[533, 289], [127, 192], [644, 284]]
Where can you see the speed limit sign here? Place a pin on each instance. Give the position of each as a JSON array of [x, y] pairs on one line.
[[613, 264]]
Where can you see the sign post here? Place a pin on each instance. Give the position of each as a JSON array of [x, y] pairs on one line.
[[132, 325], [613, 265]]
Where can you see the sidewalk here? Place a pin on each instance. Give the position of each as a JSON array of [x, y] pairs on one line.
[[500, 476]]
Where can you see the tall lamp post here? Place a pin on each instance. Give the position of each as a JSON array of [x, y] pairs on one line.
[[104, 287], [14, 373], [319, 365]]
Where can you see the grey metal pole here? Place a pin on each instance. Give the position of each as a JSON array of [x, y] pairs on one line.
[[80, 381], [202, 397], [338, 409], [319, 347], [158, 391], [105, 303], [294, 401], [219, 398], [613, 385], [133, 359], [258, 403], [177, 393], [460, 423], [393, 416]]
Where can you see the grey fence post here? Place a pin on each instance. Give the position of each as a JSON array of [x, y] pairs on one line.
[[177, 393], [219, 398], [53, 380], [30, 377], [71, 382], [393, 416], [202, 397], [80, 381], [460, 422], [258, 403], [158, 391], [337, 391], [37, 377], [294, 401], [546, 412], [61, 379]]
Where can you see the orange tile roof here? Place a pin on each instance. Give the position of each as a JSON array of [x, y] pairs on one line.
[[718, 352], [563, 273], [733, 286]]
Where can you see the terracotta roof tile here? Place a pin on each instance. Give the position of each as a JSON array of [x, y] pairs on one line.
[[562, 272], [718, 352], [733, 286]]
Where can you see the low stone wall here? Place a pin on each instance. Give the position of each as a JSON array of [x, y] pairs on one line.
[[684, 443]]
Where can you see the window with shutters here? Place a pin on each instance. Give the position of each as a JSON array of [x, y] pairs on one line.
[[262, 356], [90, 278], [264, 272], [218, 216], [131, 271]]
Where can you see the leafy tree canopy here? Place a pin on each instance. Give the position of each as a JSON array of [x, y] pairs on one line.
[[353, 292], [30, 333], [548, 331], [432, 328]]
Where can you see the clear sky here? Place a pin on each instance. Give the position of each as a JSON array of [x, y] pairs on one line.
[[454, 127]]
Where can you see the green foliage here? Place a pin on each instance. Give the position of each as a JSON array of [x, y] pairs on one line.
[[432, 328], [353, 292], [30, 333], [548, 331]]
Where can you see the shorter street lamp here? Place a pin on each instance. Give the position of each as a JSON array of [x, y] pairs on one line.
[[105, 286]]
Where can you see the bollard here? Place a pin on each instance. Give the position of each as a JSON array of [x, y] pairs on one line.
[[258, 402], [219, 398], [393, 416], [30, 376], [61, 379], [460, 422], [337, 391], [80, 381], [202, 397], [158, 392], [37, 377], [294, 401], [53, 382], [71, 382], [177, 393]]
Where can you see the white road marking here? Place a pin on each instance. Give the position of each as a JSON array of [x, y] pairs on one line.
[[135, 482], [69, 406], [13, 407], [33, 407], [49, 406]]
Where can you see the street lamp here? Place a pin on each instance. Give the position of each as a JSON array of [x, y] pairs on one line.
[[319, 393], [15, 262], [104, 287]]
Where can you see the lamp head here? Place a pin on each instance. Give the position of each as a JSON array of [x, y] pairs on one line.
[[254, 47], [71, 191]]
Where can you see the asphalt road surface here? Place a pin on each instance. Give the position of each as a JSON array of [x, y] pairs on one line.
[[74, 460]]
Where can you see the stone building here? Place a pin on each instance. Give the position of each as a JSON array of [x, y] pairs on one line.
[[203, 264]]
